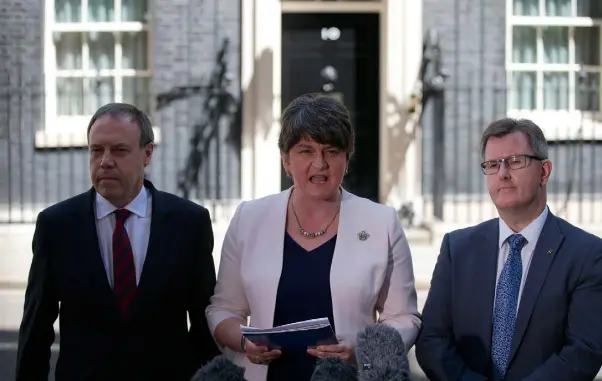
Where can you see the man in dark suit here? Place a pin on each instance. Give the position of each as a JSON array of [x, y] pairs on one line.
[[519, 297], [125, 264]]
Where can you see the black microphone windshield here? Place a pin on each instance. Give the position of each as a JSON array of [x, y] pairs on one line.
[[381, 355], [220, 369], [334, 369]]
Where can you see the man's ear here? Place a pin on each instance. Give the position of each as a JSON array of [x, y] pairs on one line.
[[546, 171], [148, 153]]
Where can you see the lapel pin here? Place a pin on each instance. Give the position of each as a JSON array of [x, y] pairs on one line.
[[550, 251], [363, 235]]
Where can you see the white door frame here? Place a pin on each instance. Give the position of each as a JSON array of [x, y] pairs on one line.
[[332, 6]]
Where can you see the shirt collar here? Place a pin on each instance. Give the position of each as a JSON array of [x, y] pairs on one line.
[[531, 232], [138, 206]]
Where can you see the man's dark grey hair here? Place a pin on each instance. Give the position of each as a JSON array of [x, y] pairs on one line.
[[320, 118], [120, 110], [506, 126]]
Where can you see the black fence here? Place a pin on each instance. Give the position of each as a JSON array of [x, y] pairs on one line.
[[197, 155], [198, 152]]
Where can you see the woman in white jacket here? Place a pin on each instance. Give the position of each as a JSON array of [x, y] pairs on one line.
[[312, 251]]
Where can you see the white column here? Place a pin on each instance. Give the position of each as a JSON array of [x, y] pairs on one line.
[[401, 52], [261, 78]]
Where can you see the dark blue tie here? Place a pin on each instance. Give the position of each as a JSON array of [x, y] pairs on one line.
[[504, 313]]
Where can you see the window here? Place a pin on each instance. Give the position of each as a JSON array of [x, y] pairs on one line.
[[96, 53], [554, 59]]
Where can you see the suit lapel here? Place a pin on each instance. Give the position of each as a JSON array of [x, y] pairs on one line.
[[341, 264], [487, 249], [90, 249], [267, 261], [547, 245], [154, 269]]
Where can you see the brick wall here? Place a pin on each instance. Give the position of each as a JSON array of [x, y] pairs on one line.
[[186, 36], [472, 37], [473, 42], [189, 35]]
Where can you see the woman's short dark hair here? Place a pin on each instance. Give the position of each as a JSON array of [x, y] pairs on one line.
[[318, 117]]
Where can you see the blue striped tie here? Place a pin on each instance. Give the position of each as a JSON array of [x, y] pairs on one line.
[[504, 313]]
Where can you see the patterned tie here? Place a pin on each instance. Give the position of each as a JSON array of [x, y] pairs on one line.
[[504, 313], [124, 271]]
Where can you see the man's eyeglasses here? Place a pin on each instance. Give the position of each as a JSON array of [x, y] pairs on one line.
[[492, 167]]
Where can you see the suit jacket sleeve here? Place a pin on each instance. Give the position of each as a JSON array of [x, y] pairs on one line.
[[581, 356], [201, 289], [435, 348], [36, 333], [396, 304], [229, 300]]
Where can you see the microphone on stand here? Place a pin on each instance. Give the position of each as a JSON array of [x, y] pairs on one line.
[[220, 369], [334, 369], [381, 355]]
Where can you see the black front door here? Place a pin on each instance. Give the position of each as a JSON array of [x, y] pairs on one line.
[[316, 45]]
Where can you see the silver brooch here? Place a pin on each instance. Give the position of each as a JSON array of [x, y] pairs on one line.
[[363, 235]]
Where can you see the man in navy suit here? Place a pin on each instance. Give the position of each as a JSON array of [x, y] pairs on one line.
[[126, 267], [519, 297]]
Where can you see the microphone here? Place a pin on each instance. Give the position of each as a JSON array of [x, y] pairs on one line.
[[381, 354], [334, 369], [220, 369]]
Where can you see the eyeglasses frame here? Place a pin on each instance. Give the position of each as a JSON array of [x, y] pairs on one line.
[[505, 162]]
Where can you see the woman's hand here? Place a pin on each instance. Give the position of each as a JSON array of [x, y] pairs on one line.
[[259, 354], [344, 352]]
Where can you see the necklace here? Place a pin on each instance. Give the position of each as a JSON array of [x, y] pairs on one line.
[[319, 233]]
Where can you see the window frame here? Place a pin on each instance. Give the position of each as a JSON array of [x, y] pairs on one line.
[[70, 131], [570, 123]]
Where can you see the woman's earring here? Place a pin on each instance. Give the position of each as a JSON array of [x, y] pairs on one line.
[[288, 175]]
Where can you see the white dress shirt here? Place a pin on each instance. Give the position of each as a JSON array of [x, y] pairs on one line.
[[137, 226], [531, 233]]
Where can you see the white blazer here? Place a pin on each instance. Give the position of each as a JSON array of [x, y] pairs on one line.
[[367, 276]]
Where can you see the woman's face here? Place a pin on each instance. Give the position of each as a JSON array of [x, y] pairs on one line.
[[317, 169]]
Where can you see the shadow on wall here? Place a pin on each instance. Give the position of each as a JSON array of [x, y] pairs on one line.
[[264, 95], [400, 135], [258, 108], [202, 172], [404, 119], [220, 109]]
